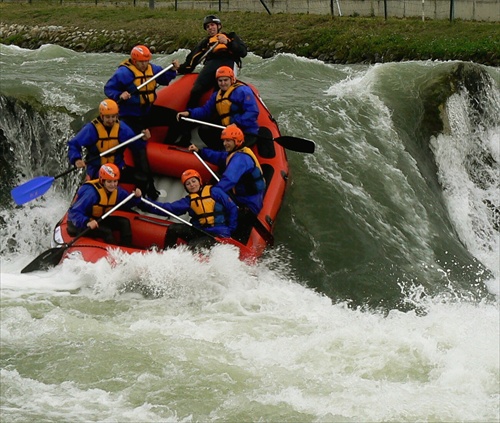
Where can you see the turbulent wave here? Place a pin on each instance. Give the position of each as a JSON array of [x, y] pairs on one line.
[[374, 211], [380, 222], [164, 337]]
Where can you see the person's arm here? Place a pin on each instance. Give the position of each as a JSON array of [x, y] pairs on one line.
[[81, 210], [248, 106], [239, 164], [178, 207], [216, 157], [122, 80], [164, 78], [230, 207], [204, 112], [193, 58], [87, 137], [236, 45]]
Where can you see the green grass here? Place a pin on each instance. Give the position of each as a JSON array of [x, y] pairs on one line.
[[348, 39]]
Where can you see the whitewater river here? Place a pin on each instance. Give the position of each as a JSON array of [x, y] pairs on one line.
[[379, 301]]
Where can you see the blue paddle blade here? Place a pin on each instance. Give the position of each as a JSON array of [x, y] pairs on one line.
[[32, 189]]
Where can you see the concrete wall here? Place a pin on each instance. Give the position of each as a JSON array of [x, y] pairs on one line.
[[476, 10]]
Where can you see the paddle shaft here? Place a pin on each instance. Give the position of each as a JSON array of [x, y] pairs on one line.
[[123, 144], [202, 122], [300, 145], [180, 219], [208, 51], [204, 163], [116, 147], [154, 77], [71, 169]]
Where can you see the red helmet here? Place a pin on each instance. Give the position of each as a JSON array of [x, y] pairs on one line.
[[109, 172], [141, 53], [190, 173], [232, 132], [225, 71], [108, 107]]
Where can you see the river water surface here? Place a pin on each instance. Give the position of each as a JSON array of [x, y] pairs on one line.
[[379, 301]]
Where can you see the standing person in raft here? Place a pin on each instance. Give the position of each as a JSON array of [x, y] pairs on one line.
[[228, 51], [95, 198], [234, 103], [210, 208], [103, 133]]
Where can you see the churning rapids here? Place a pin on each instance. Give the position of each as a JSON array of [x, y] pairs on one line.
[[379, 301]]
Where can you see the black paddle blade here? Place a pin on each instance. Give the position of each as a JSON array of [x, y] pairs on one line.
[[300, 145], [46, 260]]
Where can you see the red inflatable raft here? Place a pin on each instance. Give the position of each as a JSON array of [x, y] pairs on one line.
[[169, 161]]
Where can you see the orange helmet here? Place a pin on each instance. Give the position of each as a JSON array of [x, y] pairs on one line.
[[225, 71], [108, 107], [141, 53], [232, 132], [190, 173], [109, 172]]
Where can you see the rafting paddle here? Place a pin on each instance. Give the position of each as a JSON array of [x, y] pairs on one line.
[[53, 256], [299, 145], [151, 79], [38, 186]]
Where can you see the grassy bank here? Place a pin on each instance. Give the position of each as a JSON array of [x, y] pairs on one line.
[[334, 40]]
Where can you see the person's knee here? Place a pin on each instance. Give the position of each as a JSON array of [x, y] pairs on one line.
[[172, 236], [72, 229], [202, 243], [126, 239], [107, 235]]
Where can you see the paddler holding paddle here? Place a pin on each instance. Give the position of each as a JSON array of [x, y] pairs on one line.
[[133, 86], [96, 197], [213, 214], [234, 102], [104, 133], [242, 178]]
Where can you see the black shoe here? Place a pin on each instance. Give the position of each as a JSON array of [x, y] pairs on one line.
[[172, 135], [152, 192]]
